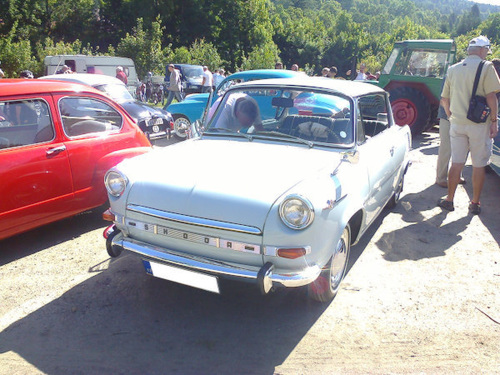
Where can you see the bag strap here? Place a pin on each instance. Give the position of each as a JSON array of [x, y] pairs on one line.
[[478, 75]]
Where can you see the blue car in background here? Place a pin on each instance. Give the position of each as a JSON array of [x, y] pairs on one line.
[[191, 109]]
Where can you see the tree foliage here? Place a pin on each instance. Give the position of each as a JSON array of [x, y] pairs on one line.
[[236, 34]]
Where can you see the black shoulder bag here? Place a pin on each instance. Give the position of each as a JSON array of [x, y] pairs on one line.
[[478, 107]]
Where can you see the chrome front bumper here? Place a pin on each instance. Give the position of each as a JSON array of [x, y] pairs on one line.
[[264, 276]]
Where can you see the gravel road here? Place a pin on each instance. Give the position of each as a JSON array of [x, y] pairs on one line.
[[420, 297]]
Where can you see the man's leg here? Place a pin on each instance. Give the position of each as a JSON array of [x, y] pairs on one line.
[[454, 179], [478, 176], [170, 97], [444, 154], [178, 96]]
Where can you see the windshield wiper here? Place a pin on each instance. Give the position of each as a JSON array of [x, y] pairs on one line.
[[247, 136], [301, 140]]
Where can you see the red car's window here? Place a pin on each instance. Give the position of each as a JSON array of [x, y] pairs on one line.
[[81, 116], [25, 122]]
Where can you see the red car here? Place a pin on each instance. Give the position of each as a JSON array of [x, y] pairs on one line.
[[57, 140]]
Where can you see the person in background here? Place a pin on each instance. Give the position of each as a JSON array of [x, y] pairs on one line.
[[466, 135], [444, 153], [295, 68], [240, 113], [174, 86], [278, 65], [120, 74], [360, 74], [325, 71], [218, 77], [64, 70], [208, 81], [27, 74], [332, 73]]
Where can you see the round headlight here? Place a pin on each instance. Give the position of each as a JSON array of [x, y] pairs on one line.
[[296, 212], [115, 183]]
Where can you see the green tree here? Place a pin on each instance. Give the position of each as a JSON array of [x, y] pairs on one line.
[[144, 47], [16, 55]]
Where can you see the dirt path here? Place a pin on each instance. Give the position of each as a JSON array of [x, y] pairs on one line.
[[420, 298]]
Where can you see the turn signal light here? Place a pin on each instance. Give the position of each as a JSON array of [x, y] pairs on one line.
[[292, 253], [108, 215]]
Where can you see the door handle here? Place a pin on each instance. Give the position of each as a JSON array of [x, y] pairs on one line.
[[391, 151], [55, 150]]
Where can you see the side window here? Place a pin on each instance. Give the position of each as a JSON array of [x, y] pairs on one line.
[[373, 111], [25, 122], [81, 116]]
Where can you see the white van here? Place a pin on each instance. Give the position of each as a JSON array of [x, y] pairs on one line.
[[93, 64]]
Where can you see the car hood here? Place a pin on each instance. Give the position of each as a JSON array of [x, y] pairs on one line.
[[196, 98], [230, 181], [140, 111]]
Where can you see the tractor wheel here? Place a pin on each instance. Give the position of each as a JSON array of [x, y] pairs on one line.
[[410, 107]]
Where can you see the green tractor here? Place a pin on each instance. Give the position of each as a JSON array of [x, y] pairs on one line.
[[413, 76]]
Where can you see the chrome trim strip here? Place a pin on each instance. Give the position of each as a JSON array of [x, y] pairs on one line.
[[293, 279], [193, 220], [193, 237]]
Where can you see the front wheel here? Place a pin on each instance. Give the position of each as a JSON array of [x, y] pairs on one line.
[[326, 286], [181, 126]]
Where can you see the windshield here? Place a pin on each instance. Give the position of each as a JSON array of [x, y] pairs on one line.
[[193, 71], [423, 63], [292, 114], [117, 92]]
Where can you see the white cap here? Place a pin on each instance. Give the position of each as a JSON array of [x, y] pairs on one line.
[[480, 41]]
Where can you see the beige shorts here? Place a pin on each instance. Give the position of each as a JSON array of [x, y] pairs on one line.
[[473, 138]]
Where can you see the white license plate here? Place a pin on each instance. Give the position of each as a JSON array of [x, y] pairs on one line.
[[182, 276], [159, 121]]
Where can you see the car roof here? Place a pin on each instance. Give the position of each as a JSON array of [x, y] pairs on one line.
[[21, 86], [85, 78], [346, 87], [266, 74], [187, 65]]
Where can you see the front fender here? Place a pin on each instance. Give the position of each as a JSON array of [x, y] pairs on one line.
[[110, 160]]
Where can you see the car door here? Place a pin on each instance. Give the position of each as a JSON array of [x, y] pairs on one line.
[[382, 150], [36, 182], [92, 128]]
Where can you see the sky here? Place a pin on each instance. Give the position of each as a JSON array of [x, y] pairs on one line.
[[492, 2]]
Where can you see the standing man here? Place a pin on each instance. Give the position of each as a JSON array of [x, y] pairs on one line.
[[208, 81], [174, 86], [120, 74], [466, 135]]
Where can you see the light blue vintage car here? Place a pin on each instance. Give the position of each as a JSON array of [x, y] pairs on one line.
[[191, 108], [276, 187]]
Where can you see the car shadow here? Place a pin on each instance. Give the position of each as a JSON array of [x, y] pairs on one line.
[[27, 243], [123, 321]]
